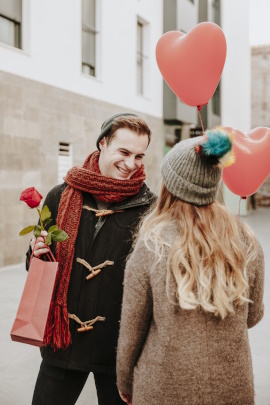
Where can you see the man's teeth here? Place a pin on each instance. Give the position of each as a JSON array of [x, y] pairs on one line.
[[123, 171]]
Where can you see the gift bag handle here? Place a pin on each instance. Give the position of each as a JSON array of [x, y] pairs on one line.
[[50, 257]]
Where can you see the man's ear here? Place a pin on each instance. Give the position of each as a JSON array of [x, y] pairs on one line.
[[102, 143]]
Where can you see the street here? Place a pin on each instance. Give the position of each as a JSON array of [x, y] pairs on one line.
[[20, 362]]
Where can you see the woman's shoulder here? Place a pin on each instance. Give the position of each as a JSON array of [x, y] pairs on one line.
[[144, 250], [169, 233], [247, 236]]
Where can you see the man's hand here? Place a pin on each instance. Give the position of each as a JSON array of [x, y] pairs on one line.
[[126, 397], [40, 247]]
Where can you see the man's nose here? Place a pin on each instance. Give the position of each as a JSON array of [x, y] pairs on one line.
[[130, 162]]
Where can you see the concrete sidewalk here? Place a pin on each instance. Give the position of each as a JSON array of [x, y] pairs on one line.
[[20, 363]]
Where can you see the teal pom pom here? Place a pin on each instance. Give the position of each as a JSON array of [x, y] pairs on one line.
[[218, 143]]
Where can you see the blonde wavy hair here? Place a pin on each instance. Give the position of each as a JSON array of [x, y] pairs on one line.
[[209, 257]]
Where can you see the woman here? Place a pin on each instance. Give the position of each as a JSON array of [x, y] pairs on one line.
[[193, 286]]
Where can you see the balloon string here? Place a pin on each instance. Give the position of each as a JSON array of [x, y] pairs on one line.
[[201, 120], [199, 107], [239, 206], [241, 198]]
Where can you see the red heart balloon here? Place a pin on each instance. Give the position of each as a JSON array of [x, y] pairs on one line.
[[192, 63], [252, 161]]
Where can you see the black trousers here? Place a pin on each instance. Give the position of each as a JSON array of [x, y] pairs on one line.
[[57, 386]]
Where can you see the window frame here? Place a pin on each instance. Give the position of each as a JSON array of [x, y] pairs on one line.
[[94, 30], [142, 57], [216, 11], [13, 15], [65, 155], [17, 33], [216, 99]]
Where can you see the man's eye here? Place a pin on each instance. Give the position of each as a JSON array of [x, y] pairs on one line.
[[124, 153], [139, 157]]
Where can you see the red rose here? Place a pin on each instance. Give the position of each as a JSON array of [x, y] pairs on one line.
[[31, 196]]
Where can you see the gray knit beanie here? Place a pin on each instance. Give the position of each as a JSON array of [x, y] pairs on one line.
[[107, 125], [192, 170]]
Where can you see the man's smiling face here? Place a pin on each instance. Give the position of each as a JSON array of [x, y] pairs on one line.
[[123, 156]]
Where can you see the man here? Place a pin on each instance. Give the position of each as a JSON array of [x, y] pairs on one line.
[[99, 206]]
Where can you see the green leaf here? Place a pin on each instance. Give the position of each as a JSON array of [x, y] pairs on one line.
[[59, 236], [26, 230], [45, 213], [53, 228], [47, 221], [37, 231], [48, 239]]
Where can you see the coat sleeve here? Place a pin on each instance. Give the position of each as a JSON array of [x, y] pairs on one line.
[[52, 201], [256, 307], [137, 310]]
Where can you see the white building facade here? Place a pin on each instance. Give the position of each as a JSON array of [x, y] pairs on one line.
[[55, 36], [65, 66]]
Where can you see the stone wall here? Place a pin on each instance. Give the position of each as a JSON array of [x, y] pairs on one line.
[[261, 104], [260, 90], [34, 118], [262, 197]]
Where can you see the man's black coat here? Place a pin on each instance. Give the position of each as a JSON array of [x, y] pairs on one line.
[[106, 238]]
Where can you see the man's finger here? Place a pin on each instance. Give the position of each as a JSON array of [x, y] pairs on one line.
[[39, 252], [40, 245], [40, 238]]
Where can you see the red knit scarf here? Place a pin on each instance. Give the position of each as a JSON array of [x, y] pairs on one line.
[[79, 179]]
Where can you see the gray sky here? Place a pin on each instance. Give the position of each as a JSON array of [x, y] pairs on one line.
[[259, 22]]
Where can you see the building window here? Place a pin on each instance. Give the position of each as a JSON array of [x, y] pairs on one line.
[[10, 22], [216, 11], [195, 131], [216, 101], [89, 37], [142, 58], [65, 160], [216, 97]]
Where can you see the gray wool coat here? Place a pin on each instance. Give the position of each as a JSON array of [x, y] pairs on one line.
[[171, 356]]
